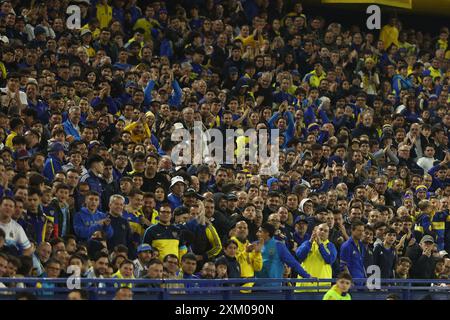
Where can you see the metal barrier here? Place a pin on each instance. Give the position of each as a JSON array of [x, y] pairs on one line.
[[230, 289]]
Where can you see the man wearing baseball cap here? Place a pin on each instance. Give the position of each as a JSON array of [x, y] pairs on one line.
[[145, 254], [422, 257], [55, 161]]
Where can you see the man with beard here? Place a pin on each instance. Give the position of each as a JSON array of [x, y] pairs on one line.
[[272, 205], [221, 177], [232, 202], [107, 128], [308, 166], [41, 256], [248, 254], [97, 271], [141, 264], [217, 210], [208, 271], [394, 195], [318, 184], [248, 216], [151, 175], [204, 178]]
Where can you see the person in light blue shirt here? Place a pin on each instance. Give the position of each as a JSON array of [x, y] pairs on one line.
[[275, 255]]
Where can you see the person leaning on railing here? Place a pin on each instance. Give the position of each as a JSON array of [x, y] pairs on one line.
[[340, 290]]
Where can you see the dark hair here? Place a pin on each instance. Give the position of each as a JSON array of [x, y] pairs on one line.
[[62, 186], [344, 275], [154, 261], [390, 231], [229, 242], [78, 256], [100, 255], [50, 261], [121, 248], [26, 266], [268, 228], [188, 256], [126, 261], [379, 225], [170, 255], [356, 224], [15, 122], [403, 259], [33, 191], [3, 199]]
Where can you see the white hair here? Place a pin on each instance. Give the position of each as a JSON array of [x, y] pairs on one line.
[[115, 197]]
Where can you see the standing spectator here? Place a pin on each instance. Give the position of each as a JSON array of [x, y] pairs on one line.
[[120, 226], [317, 255], [353, 252], [95, 166], [385, 255], [248, 254], [164, 236], [275, 253], [423, 263]]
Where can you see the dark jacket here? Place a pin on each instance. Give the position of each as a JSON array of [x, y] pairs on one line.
[[56, 212], [423, 266], [122, 233], [233, 267], [385, 259], [370, 131]]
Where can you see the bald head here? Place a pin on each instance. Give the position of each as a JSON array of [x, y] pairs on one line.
[[44, 251], [241, 230]]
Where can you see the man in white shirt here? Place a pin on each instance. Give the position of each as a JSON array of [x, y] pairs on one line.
[[426, 162], [15, 235], [11, 97]]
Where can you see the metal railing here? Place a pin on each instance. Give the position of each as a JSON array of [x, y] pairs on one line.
[[230, 289]]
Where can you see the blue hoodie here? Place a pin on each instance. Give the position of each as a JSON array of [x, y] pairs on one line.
[[86, 223]]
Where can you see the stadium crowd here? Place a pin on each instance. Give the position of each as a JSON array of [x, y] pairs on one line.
[[86, 116]]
